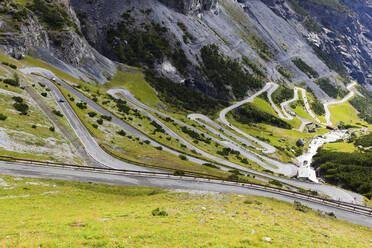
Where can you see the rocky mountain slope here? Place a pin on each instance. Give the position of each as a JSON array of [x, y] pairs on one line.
[[266, 40]]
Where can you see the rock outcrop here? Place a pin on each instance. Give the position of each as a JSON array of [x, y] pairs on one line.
[[65, 48], [192, 6]]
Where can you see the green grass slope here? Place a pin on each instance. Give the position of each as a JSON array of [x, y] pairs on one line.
[[51, 213]]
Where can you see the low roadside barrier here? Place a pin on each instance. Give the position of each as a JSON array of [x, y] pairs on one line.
[[355, 208]]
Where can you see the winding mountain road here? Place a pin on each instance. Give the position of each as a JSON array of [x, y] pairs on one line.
[[265, 162], [89, 143], [334, 192], [110, 162], [333, 102]]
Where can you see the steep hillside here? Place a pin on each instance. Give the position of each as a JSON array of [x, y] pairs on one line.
[[268, 33], [92, 215], [265, 38], [247, 32]]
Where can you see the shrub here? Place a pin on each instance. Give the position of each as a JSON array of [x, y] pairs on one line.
[[3, 117], [158, 128], [17, 99], [211, 165], [81, 105], [95, 125], [12, 82], [44, 94], [33, 126], [300, 207], [159, 148], [233, 177], [158, 212], [331, 214], [122, 106], [179, 173], [92, 114], [182, 157], [245, 161], [10, 65], [21, 107], [57, 113], [248, 202], [52, 129], [107, 118], [122, 133], [100, 121]]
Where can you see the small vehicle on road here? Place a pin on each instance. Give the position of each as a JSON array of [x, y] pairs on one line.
[[54, 79], [61, 100]]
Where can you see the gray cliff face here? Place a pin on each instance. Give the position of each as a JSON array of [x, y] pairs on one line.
[[326, 39], [345, 37], [228, 28]]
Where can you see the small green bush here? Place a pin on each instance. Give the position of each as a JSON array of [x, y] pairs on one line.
[[300, 207], [21, 107], [233, 177], [57, 113], [100, 121], [92, 114], [211, 165], [10, 65], [81, 105], [331, 214], [158, 212], [52, 129], [107, 118], [122, 133], [3, 117], [179, 173], [17, 99], [12, 82], [182, 157], [248, 202], [44, 94]]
